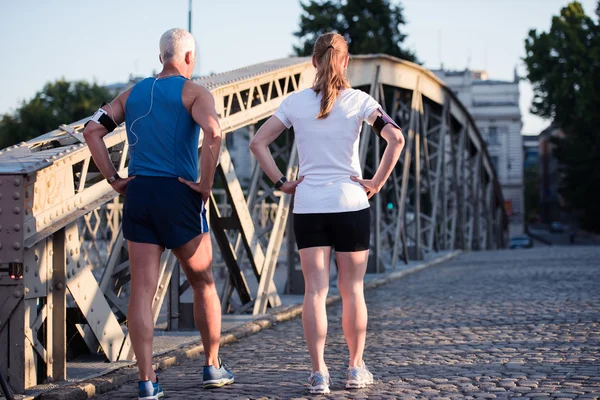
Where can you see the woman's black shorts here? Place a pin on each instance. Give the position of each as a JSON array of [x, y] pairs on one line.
[[344, 231]]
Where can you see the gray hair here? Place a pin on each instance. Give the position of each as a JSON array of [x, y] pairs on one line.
[[174, 43]]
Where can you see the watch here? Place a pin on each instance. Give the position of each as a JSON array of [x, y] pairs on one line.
[[113, 178], [280, 182]]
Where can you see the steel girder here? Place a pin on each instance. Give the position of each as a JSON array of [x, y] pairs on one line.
[[61, 220]]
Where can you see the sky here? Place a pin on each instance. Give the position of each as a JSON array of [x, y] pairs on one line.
[[108, 41]]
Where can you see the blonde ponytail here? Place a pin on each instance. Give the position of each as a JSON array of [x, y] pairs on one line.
[[329, 52]]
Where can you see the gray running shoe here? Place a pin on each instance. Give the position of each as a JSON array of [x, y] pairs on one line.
[[318, 383], [358, 377]]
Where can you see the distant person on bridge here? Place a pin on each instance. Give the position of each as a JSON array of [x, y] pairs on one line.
[[331, 207], [164, 206]]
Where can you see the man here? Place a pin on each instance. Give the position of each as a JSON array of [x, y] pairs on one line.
[[164, 206]]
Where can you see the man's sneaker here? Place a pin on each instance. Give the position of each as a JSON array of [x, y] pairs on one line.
[[358, 377], [318, 383], [149, 390], [214, 378]]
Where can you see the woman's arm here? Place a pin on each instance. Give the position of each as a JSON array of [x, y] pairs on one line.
[[259, 145], [395, 143]]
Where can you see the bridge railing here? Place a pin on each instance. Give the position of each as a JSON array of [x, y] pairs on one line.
[[61, 244]]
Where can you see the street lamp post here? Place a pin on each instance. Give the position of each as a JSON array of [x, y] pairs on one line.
[[190, 17]]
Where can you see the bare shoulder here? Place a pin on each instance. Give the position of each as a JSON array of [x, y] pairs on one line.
[[193, 92], [123, 96]]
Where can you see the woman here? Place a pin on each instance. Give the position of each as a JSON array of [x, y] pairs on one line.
[[331, 207]]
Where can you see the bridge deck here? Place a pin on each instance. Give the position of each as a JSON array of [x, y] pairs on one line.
[[489, 324]]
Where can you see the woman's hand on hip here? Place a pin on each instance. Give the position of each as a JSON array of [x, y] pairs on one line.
[[290, 186], [368, 184]]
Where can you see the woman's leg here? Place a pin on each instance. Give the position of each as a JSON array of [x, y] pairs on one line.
[[315, 267], [351, 272]]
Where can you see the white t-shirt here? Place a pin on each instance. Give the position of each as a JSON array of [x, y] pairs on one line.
[[328, 150]]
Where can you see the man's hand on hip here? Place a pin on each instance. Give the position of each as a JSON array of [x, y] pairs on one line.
[[198, 187], [120, 185]]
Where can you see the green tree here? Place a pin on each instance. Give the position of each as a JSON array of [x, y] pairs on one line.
[[563, 66], [369, 26], [59, 102]]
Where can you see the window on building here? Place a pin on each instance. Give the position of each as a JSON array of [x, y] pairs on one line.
[[492, 135], [495, 163]]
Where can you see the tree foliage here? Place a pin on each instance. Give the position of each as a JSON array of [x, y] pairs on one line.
[[59, 102], [563, 66], [369, 26]]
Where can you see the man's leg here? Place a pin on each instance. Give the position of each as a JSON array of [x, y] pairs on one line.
[[195, 257], [144, 260]]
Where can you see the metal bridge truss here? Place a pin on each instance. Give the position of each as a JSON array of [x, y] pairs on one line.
[[60, 220]]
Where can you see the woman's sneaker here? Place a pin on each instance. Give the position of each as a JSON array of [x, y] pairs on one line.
[[214, 378], [318, 383], [148, 390], [359, 377]]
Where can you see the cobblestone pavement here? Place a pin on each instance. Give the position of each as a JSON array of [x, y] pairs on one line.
[[504, 324]]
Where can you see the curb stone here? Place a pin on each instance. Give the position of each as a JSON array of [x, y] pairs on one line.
[[116, 378]]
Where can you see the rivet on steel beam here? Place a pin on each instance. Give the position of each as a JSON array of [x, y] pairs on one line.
[[68, 274], [17, 210], [53, 157], [26, 290], [77, 250], [50, 216], [48, 183], [0, 246], [36, 289], [16, 245], [85, 296], [70, 236], [98, 322], [92, 310], [27, 268], [78, 284], [37, 258], [16, 195], [35, 273], [49, 200], [104, 333], [17, 181], [27, 211], [162, 286], [28, 229], [57, 213], [35, 189], [17, 227], [78, 266], [17, 294], [45, 220], [59, 286]]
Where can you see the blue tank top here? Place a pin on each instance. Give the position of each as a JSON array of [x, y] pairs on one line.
[[164, 142]]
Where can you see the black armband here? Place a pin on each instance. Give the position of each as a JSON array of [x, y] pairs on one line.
[[101, 117], [381, 121]]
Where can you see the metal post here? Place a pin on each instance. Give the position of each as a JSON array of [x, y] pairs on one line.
[[190, 17]]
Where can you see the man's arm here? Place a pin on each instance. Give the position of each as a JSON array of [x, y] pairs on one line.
[[95, 132], [204, 114]]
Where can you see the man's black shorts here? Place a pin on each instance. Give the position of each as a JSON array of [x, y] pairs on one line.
[[344, 231], [162, 211]]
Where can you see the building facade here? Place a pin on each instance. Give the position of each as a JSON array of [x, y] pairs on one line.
[[494, 105]]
